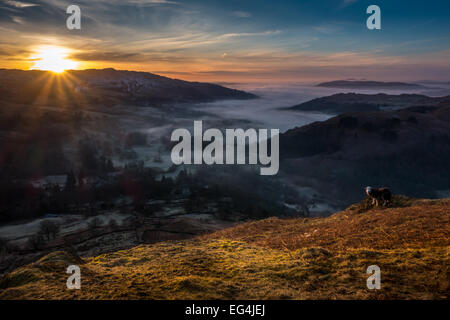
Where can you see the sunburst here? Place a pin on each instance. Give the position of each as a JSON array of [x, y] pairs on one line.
[[53, 58]]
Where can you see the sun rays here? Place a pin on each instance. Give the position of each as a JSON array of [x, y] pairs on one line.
[[53, 58]]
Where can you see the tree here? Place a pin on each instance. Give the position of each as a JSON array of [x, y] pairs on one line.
[[109, 166], [49, 229], [3, 245], [88, 154], [136, 139], [94, 223], [113, 224], [81, 177], [70, 181], [35, 241]]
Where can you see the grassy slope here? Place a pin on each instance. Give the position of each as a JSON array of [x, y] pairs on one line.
[[322, 258]]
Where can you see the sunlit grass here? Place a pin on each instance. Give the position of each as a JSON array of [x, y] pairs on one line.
[[267, 259]]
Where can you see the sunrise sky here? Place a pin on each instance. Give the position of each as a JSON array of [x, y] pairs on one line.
[[235, 40]]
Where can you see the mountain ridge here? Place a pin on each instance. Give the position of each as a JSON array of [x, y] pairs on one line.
[[366, 84], [107, 86], [357, 102]]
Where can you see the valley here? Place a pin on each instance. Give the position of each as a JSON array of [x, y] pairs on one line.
[[101, 174]]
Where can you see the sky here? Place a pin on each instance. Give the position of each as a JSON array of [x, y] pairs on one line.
[[236, 40]]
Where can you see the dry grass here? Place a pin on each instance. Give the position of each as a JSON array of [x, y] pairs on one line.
[[424, 223], [269, 259]]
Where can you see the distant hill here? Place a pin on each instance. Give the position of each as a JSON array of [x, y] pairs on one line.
[[407, 150], [434, 82], [354, 102], [354, 84], [107, 86], [319, 258]]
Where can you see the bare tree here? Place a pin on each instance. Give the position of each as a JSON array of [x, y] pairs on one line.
[[49, 229], [3, 245], [93, 225], [35, 241], [113, 224]]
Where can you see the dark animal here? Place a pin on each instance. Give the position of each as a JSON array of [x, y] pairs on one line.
[[379, 194]]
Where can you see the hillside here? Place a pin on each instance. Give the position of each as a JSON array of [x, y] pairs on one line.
[[407, 150], [320, 258], [106, 86], [355, 84], [354, 102]]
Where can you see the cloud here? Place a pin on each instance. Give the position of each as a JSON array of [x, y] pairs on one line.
[[114, 2], [14, 53], [242, 14], [19, 4], [98, 55], [151, 1], [347, 3], [326, 28], [200, 42], [18, 20], [181, 73], [249, 34], [141, 2], [207, 41]]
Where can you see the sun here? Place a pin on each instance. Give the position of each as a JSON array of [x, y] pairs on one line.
[[52, 58]]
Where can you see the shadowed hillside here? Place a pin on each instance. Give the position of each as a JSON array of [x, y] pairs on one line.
[[407, 150], [321, 258], [354, 84], [107, 87], [356, 102]]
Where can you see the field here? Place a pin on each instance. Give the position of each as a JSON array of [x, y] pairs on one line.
[[315, 258]]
